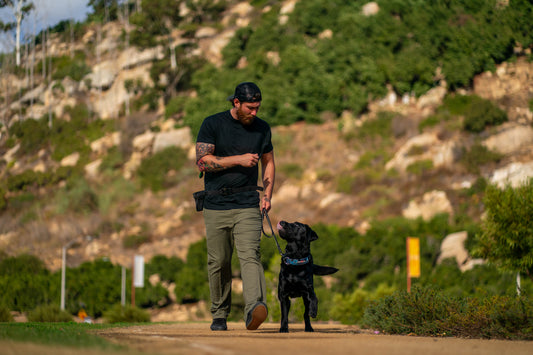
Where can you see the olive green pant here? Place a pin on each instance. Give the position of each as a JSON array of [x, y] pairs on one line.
[[224, 230]]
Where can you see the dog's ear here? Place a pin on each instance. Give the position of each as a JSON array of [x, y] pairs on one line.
[[311, 234]]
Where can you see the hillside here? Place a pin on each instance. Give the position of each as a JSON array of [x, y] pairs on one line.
[[402, 156]]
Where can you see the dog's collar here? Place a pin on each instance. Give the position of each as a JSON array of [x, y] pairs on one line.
[[289, 261]]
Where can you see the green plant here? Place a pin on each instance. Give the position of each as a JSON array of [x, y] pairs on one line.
[[506, 239], [477, 156], [126, 314], [482, 113], [49, 313], [166, 267], [427, 311], [154, 171], [420, 166], [350, 308], [5, 314], [292, 170]]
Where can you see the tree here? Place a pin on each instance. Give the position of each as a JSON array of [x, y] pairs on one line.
[[21, 8], [507, 236]]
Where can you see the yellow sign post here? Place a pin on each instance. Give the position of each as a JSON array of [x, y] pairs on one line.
[[413, 260]]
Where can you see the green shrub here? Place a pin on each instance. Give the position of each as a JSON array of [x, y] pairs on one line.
[[75, 67], [77, 196], [292, 170], [349, 309], [126, 314], [175, 105], [482, 113], [135, 240], [154, 171], [506, 239], [166, 267], [478, 155], [5, 314], [192, 282], [429, 312], [420, 166], [3, 200], [48, 314]]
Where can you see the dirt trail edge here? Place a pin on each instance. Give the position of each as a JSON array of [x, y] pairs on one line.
[[197, 338]]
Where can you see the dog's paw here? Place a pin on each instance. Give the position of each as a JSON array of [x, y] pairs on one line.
[[283, 330], [309, 329]]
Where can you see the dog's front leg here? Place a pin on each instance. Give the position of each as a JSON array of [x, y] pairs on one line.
[[307, 320], [285, 304]]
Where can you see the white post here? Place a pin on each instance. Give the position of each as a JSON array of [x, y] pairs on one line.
[[63, 262], [518, 284], [123, 288]]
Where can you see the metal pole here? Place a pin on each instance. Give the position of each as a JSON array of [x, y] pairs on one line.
[[123, 288], [63, 262]]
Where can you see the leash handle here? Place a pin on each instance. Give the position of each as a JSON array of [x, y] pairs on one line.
[[263, 215]]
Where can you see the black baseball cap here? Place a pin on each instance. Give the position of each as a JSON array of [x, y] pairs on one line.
[[246, 92]]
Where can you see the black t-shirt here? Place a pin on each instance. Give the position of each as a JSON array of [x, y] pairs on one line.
[[230, 137]]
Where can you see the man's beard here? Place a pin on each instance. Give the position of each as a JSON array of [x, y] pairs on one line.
[[244, 119]]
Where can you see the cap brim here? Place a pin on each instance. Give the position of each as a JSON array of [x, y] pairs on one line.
[[230, 98]]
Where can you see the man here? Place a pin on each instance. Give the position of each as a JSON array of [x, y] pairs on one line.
[[229, 146]]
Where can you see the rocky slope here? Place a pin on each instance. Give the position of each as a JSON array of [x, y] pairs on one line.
[[315, 162]]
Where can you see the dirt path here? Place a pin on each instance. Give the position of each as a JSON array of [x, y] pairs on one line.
[[196, 338]]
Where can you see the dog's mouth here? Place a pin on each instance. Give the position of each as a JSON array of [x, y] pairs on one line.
[[279, 226]]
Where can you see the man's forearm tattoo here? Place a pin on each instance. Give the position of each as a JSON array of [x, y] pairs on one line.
[[206, 166], [203, 149]]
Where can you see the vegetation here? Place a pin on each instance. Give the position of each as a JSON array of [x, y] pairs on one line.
[[506, 239], [327, 58], [65, 334], [426, 311]]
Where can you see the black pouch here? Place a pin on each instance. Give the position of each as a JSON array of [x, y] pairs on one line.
[[199, 197]]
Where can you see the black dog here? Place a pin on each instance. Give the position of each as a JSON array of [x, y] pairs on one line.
[[297, 270]]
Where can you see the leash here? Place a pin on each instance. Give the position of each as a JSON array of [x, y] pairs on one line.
[[263, 215]]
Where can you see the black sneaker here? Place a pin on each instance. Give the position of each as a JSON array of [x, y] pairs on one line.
[[256, 316], [219, 324]]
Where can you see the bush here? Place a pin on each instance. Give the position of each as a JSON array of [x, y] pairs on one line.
[[126, 314], [349, 309], [154, 171], [166, 267], [75, 68], [477, 156], [49, 313], [482, 113], [5, 314], [429, 312]]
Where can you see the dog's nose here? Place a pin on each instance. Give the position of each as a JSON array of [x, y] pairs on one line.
[[279, 226]]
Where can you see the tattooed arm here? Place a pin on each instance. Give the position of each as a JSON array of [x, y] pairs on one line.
[[207, 161], [269, 176]]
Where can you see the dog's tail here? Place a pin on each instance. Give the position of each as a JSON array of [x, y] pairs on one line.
[[323, 270]]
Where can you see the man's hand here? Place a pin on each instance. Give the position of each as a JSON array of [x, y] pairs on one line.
[[248, 160]]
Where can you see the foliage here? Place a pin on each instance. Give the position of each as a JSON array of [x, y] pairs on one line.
[[73, 67], [428, 312], [482, 113], [156, 19], [154, 171], [126, 314], [26, 283], [191, 281], [507, 238], [166, 267], [350, 308], [5, 314], [77, 196], [74, 335], [48, 314], [478, 155]]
